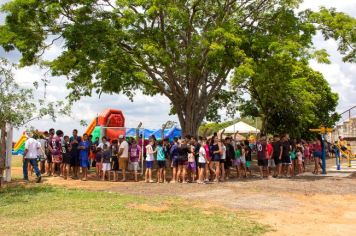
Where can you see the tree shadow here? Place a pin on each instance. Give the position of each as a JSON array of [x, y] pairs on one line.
[[19, 192]]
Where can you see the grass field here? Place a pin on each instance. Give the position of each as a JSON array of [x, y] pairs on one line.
[[45, 210]]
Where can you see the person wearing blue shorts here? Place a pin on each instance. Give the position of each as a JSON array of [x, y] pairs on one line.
[[149, 161], [84, 156], [174, 155]]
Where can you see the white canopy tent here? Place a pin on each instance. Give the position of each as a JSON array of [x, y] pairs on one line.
[[242, 128]]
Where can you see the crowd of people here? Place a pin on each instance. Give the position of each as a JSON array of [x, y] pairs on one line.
[[191, 159]]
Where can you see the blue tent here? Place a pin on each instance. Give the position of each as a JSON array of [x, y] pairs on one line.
[[131, 132], [146, 132], [168, 133], [175, 132]]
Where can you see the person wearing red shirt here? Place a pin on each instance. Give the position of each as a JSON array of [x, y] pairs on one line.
[[271, 163]]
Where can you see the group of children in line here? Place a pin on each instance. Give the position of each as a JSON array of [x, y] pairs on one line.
[[192, 160]]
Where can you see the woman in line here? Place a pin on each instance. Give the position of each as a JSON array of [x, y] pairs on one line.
[[202, 162], [183, 151], [216, 151], [317, 155], [150, 160]]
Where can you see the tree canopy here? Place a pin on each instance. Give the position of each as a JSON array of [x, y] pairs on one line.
[[18, 104], [185, 50]]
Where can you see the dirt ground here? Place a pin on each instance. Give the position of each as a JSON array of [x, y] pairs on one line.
[[304, 205]]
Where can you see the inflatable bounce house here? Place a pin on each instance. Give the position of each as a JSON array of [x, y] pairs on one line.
[[19, 147], [110, 123]]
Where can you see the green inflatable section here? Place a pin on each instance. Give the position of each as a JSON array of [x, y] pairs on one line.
[[22, 148], [96, 133]]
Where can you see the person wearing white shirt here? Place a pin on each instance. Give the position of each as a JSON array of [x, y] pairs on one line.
[[123, 156], [149, 161], [202, 161], [32, 149], [103, 141], [42, 154]]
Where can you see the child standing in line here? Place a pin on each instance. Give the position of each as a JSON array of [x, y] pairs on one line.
[[248, 157], [293, 156], [271, 163], [135, 154], [161, 161], [299, 158], [223, 161], [202, 161], [114, 159], [237, 161], [66, 148], [98, 161], [191, 163], [105, 160], [149, 161]]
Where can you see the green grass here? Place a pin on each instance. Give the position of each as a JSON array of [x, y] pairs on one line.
[[17, 163], [46, 210]]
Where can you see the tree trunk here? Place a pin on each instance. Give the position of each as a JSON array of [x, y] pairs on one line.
[[264, 124], [191, 115]]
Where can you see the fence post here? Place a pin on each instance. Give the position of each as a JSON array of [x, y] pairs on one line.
[[8, 153]]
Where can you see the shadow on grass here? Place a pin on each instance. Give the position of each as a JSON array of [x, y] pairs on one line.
[[22, 192]]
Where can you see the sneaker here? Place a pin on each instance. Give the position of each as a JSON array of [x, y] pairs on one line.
[[39, 179]]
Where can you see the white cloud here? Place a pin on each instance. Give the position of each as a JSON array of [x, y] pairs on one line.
[[347, 6]]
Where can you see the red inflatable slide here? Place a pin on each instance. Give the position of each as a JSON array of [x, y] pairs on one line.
[[112, 118]]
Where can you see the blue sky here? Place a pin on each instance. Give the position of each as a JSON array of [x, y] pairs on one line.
[[153, 111]]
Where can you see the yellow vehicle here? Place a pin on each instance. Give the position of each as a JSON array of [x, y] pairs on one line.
[[345, 151]]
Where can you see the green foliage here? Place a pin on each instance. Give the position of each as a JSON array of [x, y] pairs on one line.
[[18, 105], [16, 102], [338, 26], [284, 91], [185, 50]]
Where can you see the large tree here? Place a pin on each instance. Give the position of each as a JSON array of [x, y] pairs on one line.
[[284, 91], [183, 49]]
